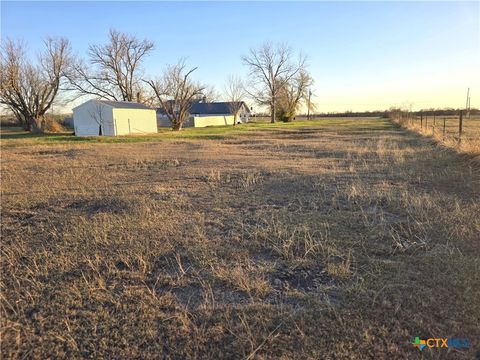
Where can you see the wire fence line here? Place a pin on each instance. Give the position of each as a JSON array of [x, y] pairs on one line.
[[461, 130]]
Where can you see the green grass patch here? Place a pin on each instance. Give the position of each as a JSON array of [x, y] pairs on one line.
[[12, 137]]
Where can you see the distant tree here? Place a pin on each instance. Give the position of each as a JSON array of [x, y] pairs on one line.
[[29, 89], [293, 94], [115, 69], [175, 91], [235, 94], [271, 67]]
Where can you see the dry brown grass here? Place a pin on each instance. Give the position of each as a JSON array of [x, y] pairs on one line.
[[342, 240], [470, 139]]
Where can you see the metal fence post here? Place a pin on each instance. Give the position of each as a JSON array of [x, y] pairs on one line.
[[444, 120], [460, 125]]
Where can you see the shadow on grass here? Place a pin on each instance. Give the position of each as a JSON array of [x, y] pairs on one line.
[[71, 138], [15, 132], [27, 135]]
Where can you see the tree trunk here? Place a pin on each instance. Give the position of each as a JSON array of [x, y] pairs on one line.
[[34, 128], [177, 126], [234, 119], [272, 115]]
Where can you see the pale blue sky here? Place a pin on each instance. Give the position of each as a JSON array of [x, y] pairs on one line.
[[363, 55]]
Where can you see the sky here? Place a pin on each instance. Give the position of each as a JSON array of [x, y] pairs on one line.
[[362, 55]]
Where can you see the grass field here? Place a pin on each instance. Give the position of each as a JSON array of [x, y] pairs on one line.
[[330, 239], [445, 129], [15, 136]]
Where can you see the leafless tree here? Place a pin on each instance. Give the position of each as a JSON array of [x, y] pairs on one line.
[[235, 94], [116, 69], [292, 94], [29, 89], [209, 94], [175, 91], [271, 67]]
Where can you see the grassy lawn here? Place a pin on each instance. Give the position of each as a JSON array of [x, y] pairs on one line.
[[328, 239], [11, 137]]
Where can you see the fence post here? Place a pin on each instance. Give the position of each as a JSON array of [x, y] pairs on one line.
[[444, 120], [421, 121], [460, 125]]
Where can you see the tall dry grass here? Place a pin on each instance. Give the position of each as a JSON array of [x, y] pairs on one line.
[[468, 141]]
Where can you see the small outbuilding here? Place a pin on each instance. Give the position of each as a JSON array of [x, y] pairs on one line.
[[204, 114], [113, 118]]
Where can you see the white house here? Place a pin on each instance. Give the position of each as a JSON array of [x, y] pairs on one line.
[[204, 114], [113, 118]]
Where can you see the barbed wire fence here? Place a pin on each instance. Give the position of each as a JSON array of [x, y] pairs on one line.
[[461, 130]]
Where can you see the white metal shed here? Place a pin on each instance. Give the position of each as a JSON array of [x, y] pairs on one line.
[[113, 118]]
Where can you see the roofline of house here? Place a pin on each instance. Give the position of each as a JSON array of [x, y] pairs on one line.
[[113, 107], [161, 111]]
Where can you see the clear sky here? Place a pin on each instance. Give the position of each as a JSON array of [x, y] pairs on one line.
[[363, 55]]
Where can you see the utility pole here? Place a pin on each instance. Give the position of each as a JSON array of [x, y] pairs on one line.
[[467, 105], [308, 106]]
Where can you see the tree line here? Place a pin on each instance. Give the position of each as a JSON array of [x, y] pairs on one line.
[[394, 111], [277, 78]]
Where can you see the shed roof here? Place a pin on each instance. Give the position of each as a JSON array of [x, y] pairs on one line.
[[117, 104], [124, 104]]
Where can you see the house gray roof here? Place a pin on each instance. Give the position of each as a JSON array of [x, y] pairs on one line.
[[124, 104], [212, 108]]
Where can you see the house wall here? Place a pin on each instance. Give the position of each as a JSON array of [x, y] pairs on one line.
[[212, 120], [163, 121], [244, 115], [85, 119], [135, 121]]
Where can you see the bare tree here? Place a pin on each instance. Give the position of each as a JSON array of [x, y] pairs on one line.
[[29, 89], [209, 94], [116, 69], [292, 94], [175, 92], [271, 67], [235, 93]]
